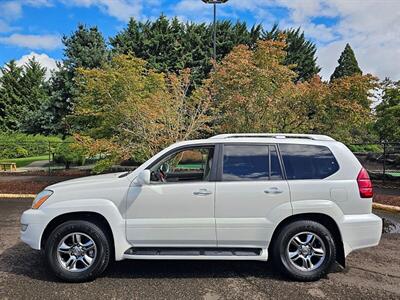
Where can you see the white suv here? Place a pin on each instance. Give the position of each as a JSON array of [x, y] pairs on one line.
[[303, 200]]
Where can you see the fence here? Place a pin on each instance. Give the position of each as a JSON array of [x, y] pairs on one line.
[[382, 160]]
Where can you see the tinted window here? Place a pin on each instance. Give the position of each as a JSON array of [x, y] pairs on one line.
[[245, 163], [308, 161]]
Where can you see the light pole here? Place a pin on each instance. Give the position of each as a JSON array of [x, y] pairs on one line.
[[215, 2]]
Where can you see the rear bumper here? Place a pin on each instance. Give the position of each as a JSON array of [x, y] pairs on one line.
[[360, 231]]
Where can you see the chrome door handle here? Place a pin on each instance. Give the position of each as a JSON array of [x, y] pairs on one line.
[[202, 192], [273, 190]]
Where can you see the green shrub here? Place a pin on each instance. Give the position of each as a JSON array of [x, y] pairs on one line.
[[69, 153], [18, 145], [374, 148], [21, 152], [103, 165]]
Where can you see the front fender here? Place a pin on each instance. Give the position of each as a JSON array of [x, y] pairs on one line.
[[104, 207]]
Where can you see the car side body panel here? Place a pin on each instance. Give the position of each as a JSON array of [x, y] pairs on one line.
[[171, 215]]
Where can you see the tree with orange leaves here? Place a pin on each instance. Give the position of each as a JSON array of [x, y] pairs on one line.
[[254, 92], [128, 110]]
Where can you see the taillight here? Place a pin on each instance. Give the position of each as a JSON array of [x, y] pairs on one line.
[[364, 184]]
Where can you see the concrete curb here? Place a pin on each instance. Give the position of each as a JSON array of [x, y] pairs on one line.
[[17, 196], [390, 208]]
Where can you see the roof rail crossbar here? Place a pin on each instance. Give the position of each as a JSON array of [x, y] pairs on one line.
[[317, 137]]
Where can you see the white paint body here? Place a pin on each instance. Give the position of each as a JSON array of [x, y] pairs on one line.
[[235, 214]]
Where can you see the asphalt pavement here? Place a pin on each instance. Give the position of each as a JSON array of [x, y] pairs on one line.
[[370, 274]]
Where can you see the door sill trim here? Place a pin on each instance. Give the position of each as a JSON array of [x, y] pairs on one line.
[[195, 253]]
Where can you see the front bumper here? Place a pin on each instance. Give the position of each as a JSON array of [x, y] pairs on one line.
[[35, 222], [360, 231]]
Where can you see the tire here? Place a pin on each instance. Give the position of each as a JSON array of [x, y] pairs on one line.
[[77, 251], [310, 261]]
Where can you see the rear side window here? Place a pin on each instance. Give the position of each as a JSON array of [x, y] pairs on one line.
[[308, 161], [250, 162]]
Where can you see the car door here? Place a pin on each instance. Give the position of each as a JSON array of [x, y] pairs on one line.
[[312, 168], [251, 195], [177, 208]]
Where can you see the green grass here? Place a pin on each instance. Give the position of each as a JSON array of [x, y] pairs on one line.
[[24, 161]]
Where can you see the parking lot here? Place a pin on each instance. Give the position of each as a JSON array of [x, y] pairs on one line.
[[370, 274]]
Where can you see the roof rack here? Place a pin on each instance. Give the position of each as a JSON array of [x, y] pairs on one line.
[[317, 137]]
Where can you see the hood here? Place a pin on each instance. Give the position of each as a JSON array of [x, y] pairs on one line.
[[96, 179]]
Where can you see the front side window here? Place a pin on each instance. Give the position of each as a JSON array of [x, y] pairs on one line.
[[250, 163], [190, 164], [308, 161]]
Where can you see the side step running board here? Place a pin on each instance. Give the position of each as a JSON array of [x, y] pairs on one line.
[[194, 251]]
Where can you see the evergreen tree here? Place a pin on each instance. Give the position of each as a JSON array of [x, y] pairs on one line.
[[348, 64], [85, 48], [160, 42], [23, 93], [60, 104], [11, 101], [171, 45], [35, 94], [33, 84], [300, 51]]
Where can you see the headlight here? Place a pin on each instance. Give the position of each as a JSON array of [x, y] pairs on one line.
[[41, 198]]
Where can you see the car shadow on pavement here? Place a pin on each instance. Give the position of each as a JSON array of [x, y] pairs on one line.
[[23, 261], [190, 269]]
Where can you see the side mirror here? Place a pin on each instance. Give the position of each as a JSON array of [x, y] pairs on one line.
[[143, 178]]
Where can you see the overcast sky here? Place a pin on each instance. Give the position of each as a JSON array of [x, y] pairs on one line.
[[372, 27]]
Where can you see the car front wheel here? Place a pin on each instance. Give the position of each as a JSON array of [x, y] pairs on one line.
[[304, 250], [77, 251]]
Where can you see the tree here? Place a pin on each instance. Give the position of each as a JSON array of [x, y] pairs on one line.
[[248, 86], [161, 43], [68, 152], [171, 45], [348, 64], [61, 100], [254, 91], [349, 116], [85, 48], [11, 100], [127, 109], [388, 112], [300, 52], [35, 95], [23, 93]]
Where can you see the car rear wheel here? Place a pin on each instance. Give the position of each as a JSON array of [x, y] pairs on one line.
[[304, 250], [77, 251]]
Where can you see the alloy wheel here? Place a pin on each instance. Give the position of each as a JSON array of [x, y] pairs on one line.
[[76, 252], [306, 251]]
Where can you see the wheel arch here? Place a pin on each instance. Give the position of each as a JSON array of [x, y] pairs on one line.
[[323, 219], [89, 216]]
